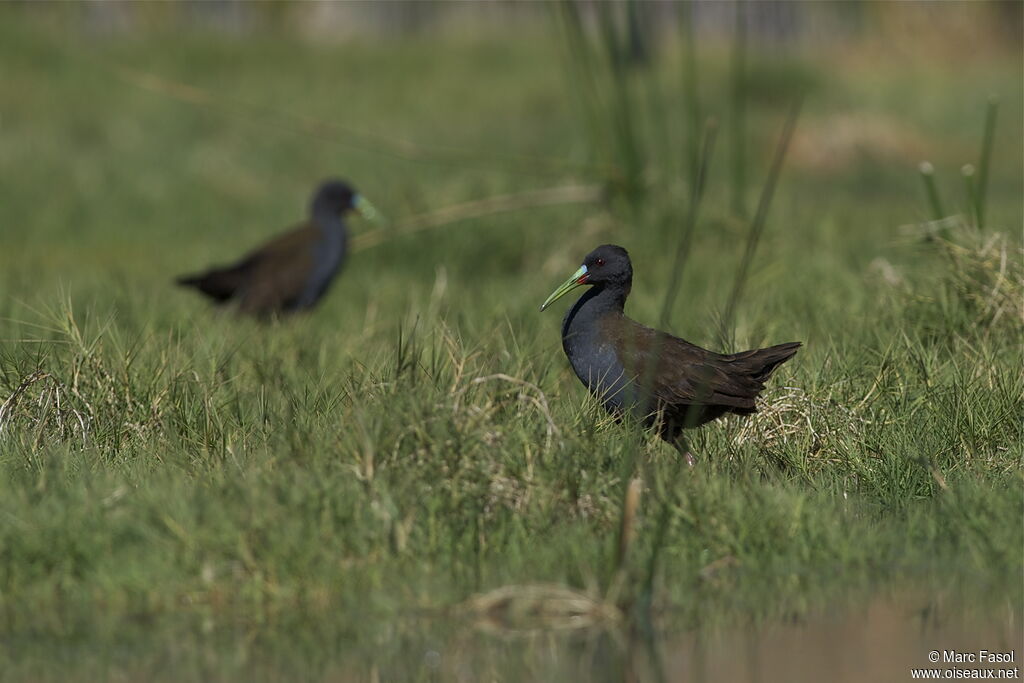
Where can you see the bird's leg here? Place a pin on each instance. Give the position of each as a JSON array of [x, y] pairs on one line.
[[671, 430], [679, 443]]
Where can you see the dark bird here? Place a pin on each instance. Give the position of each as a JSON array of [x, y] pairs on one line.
[[293, 271], [665, 381]]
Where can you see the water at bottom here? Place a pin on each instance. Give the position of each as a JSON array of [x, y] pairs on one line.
[[883, 639]]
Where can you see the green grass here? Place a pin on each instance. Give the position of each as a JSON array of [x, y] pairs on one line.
[[420, 437]]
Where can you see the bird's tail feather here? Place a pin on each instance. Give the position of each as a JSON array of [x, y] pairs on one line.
[[759, 364], [218, 284], [764, 362]]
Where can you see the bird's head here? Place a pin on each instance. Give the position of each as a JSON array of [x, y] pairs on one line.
[[607, 265], [337, 197]]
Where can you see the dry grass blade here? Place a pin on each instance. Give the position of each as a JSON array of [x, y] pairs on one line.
[[7, 409], [52, 415], [627, 525], [570, 194], [989, 278], [539, 400], [791, 415]]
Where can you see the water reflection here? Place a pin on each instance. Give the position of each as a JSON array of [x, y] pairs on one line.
[[879, 640]]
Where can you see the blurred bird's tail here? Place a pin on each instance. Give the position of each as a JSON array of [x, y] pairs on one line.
[[218, 284]]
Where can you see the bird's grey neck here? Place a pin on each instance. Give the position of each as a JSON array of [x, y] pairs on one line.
[[328, 251], [602, 299], [591, 353], [596, 302], [328, 221]]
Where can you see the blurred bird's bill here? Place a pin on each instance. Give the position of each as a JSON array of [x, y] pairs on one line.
[[366, 209], [578, 279]]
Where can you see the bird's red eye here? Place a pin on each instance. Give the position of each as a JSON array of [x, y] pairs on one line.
[[599, 262]]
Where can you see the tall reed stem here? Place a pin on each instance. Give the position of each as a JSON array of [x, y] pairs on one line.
[[985, 160], [689, 31], [738, 112], [757, 226], [971, 193], [928, 176]]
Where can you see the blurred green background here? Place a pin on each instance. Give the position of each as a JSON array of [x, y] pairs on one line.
[[334, 496]]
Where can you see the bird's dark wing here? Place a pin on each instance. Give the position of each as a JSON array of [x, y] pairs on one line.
[[265, 279], [675, 372], [278, 271]]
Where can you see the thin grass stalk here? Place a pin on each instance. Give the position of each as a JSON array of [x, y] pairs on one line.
[[738, 112], [621, 105], [554, 196], [698, 184], [931, 190], [985, 160], [663, 146], [580, 63], [757, 225], [637, 50], [658, 543], [690, 91], [683, 253], [627, 522]]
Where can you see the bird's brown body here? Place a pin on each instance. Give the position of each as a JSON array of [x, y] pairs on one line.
[[292, 271], [271, 278], [661, 379], [686, 385]]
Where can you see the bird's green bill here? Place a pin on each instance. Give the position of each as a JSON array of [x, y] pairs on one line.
[[578, 279], [366, 209]]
